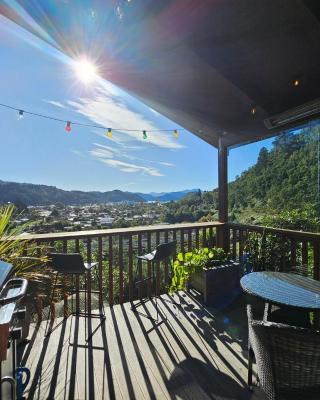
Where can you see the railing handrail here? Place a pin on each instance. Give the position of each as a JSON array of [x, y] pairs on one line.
[[303, 235], [44, 237]]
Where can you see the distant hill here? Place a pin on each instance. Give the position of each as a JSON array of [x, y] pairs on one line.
[[163, 196], [31, 195]]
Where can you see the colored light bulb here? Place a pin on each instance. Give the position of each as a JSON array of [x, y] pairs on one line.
[[20, 115], [109, 133], [144, 133], [176, 133], [68, 126]]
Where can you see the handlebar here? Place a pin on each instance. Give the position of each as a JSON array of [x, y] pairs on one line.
[[15, 283]]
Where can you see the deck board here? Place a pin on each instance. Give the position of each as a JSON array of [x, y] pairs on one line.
[[193, 354]]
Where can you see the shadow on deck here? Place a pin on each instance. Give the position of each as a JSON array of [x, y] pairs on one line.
[[195, 354]]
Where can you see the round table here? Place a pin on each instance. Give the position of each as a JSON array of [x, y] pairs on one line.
[[283, 289]]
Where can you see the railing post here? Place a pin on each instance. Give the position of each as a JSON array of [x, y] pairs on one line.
[[222, 231]]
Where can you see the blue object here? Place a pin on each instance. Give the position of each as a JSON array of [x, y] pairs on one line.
[[283, 288], [247, 265], [22, 382]]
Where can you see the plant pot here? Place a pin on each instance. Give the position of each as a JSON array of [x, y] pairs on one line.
[[218, 285]]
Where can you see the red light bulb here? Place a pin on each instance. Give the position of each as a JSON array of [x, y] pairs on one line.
[[68, 126]]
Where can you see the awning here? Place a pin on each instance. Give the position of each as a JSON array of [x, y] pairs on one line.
[[217, 68]]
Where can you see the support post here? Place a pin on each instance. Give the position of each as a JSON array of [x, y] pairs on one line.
[[222, 231]]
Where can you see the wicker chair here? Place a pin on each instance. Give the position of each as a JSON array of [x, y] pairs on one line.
[[287, 357]]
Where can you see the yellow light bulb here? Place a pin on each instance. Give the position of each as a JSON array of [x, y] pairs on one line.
[[109, 133]]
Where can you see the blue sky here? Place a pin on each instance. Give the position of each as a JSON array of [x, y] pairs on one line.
[[36, 77]]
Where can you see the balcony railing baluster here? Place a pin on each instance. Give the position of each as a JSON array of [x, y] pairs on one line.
[[182, 240], [158, 277], [77, 250], [234, 244], [139, 264], [149, 263], [88, 283], [130, 269], [197, 238], [189, 235], [64, 285], [241, 244], [166, 239], [100, 266], [204, 238], [211, 236], [120, 259], [110, 259]]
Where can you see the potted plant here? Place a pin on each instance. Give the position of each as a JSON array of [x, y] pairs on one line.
[[12, 250], [210, 271]]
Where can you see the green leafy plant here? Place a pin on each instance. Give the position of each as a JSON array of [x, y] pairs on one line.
[[192, 262], [13, 249], [272, 252]]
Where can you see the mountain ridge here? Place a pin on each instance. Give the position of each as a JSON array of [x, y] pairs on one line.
[[30, 194]]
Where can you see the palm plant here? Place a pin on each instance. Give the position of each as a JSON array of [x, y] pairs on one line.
[[26, 257], [13, 246]]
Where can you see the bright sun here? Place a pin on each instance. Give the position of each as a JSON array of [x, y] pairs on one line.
[[86, 71]]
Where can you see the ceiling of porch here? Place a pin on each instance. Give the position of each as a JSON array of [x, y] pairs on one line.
[[217, 68]]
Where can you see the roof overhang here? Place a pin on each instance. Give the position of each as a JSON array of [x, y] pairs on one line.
[[204, 64]]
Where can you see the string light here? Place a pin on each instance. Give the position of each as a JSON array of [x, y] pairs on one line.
[[109, 133], [68, 126], [176, 133]]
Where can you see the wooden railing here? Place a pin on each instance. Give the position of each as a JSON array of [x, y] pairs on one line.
[[115, 251], [297, 250]]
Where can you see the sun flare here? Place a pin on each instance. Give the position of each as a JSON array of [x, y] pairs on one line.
[[86, 71]]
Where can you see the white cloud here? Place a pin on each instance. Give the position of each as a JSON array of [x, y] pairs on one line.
[[127, 167], [110, 110], [167, 164], [101, 153], [55, 103], [106, 154]]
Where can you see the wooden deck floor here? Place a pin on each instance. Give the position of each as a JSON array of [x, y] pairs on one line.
[[195, 354]]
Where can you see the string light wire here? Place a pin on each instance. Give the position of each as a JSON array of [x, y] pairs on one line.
[[23, 112]]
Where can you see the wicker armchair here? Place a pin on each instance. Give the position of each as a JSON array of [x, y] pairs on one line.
[[287, 357]]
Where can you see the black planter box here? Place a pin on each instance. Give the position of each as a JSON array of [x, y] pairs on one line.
[[218, 285]]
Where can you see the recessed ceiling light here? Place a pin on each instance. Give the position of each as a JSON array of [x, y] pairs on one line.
[[253, 110], [296, 82]]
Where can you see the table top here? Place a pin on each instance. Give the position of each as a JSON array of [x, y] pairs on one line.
[[283, 288]]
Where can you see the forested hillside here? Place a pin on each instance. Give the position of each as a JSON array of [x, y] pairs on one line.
[[284, 180]]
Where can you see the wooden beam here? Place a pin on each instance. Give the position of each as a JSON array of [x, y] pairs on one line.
[[222, 239]]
